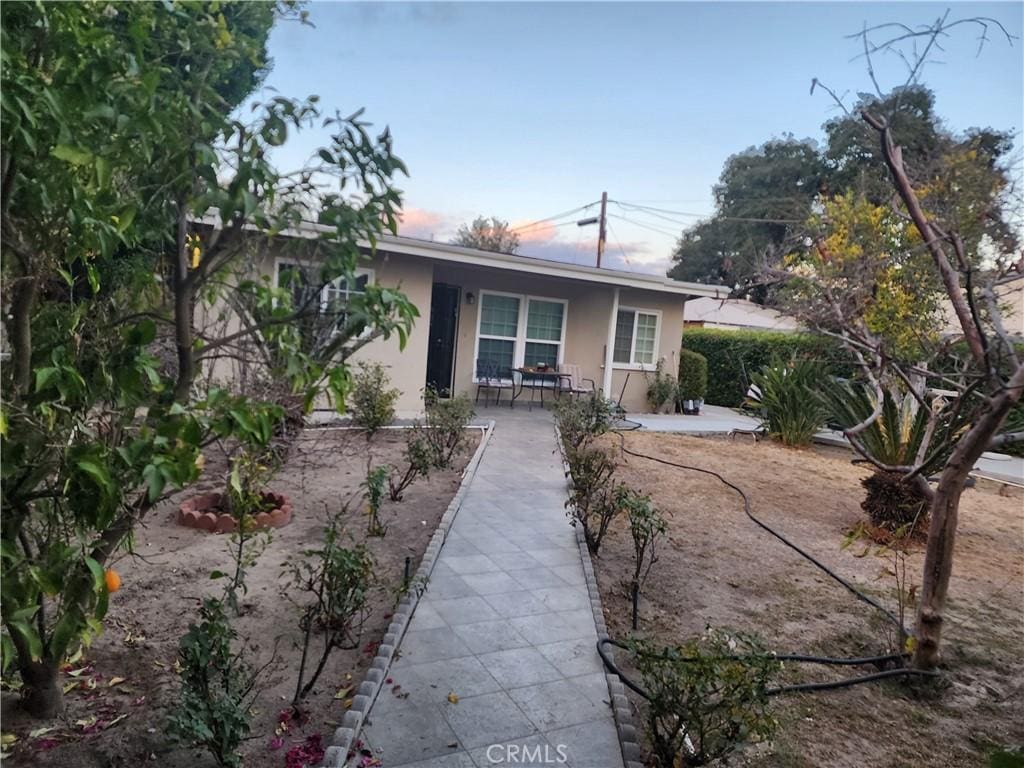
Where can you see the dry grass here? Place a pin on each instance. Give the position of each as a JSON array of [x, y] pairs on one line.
[[719, 568]]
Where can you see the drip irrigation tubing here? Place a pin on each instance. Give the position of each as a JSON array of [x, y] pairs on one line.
[[797, 658], [746, 509], [878, 661]]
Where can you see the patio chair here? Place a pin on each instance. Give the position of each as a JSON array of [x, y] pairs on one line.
[[488, 377], [572, 381]]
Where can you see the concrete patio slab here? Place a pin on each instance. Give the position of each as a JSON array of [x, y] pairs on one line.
[[506, 626]]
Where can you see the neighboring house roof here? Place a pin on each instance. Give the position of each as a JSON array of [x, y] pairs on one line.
[[516, 263], [1010, 296], [736, 313]]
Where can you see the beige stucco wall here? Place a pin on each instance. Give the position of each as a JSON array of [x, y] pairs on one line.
[[586, 333], [587, 319]]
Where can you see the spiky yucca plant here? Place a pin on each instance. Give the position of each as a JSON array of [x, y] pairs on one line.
[[785, 394]]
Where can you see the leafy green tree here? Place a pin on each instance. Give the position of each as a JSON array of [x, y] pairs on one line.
[[132, 204], [491, 234], [761, 201]]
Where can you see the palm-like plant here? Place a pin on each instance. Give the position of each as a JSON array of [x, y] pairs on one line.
[[899, 443], [785, 395]]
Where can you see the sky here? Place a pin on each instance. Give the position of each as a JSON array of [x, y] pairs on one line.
[[527, 110]]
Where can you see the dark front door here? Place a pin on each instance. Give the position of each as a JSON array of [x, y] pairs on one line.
[[444, 319]]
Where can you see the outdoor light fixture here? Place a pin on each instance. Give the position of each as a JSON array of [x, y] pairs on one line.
[[470, 298], [587, 222]]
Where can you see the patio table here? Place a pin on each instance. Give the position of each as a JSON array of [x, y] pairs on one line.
[[537, 375]]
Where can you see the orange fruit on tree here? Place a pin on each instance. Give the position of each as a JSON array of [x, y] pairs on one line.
[[113, 580]]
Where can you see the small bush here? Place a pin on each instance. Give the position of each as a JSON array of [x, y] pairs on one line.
[[646, 527], [594, 500], [787, 399], [707, 697], [580, 421], [371, 401], [693, 375], [445, 425], [333, 585], [661, 389], [734, 355], [419, 460], [374, 487], [216, 687]]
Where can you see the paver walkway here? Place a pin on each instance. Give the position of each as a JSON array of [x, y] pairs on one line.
[[505, 625]]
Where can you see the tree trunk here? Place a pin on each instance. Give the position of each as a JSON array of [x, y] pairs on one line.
[[42, 696], [938, 563]]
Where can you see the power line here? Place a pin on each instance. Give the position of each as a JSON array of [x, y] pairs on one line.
[[656, 211], [552, 218], [645, 226], [621, 249]]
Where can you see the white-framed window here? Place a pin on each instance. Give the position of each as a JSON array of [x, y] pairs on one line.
[[332, 297], [636, 337], [514, 330]]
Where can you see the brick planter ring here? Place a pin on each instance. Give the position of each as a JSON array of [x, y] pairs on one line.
[[203, 512]]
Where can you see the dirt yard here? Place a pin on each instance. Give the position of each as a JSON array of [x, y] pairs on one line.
[[129, 670], [718, 568]]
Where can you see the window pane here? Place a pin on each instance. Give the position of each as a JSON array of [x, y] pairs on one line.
[[498, 352], [544, 320], [541, 353], [646, 334], [623, 336], [499, 315]]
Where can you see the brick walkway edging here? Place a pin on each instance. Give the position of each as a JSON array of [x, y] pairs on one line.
[[632, 757], [336, 755]]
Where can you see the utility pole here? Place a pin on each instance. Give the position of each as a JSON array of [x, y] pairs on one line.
[[602, 232]]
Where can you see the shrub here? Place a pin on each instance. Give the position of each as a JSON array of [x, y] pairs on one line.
[[893, 503], [693, 375], [445, 422], [374, 488], [646, 527], [419, 460], [371, 401], [243, 500], [216, 687], [707, 697], [661, 389], [594, 500], [580, 421], [733, 356], [334, 584], [787, 398]]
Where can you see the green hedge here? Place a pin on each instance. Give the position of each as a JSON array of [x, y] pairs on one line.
[[734, 355], [693, 375]]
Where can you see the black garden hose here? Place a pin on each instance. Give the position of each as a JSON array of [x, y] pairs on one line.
[[877, 661]]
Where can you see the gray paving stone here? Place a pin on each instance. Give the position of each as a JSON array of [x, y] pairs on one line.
[[574, 657], [489, 636], [589, 745], [564, 598], [426, 616], [531, 750], [431, 682], [557, 704], [571, 574], [488, 719], [544, 628], [517, 667], [537, 577], [423, 645], [511, 604], [447, 586], [411, 735], [492, 583], [456, 760], [464, 610], [463, 564]]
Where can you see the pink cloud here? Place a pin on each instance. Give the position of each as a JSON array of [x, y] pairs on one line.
[[537, 233], [418, 222]]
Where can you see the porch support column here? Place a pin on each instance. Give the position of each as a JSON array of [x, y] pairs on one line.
[[609, 348]]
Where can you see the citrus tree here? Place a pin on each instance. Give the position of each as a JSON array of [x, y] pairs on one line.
[[133, 203]]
